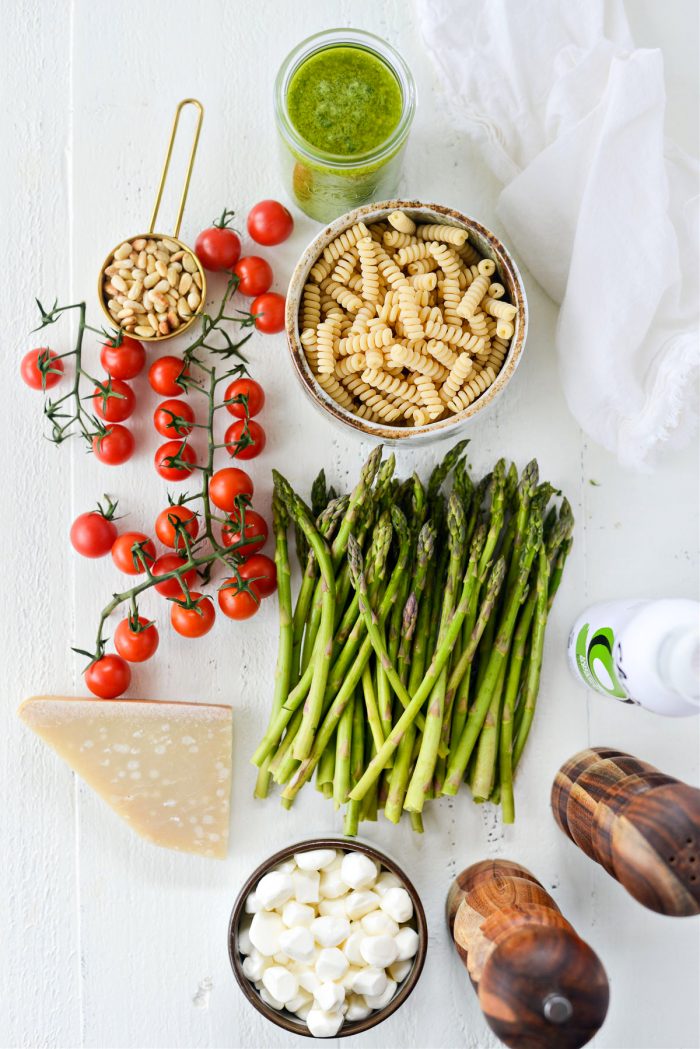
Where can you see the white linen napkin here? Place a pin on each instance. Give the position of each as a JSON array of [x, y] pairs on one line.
[[602, 210]]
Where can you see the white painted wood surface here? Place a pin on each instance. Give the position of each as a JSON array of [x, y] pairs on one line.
[[107, 941]]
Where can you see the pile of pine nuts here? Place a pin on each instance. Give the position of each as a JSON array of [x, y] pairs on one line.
[[151, 287]]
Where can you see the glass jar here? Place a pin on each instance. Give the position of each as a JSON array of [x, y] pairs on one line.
[[323, 184]]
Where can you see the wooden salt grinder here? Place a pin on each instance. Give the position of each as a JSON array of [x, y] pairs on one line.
[[539, 985]]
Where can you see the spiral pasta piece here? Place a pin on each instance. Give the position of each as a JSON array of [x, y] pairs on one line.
[[311, 306], [321, 269], [333, 388], [479, 325], [423, 281], [393, 239], [408, 309], [377, 231], [505, 330], [344, 296], [457, 377], [411, 254], [345, 266], [390, 384], [370, 270], [441, 352], [327, 341], [427, 265], [342, 243], [487, 267], [360, 322], [418, 362], [450, 333], [468, 254], [471, 390], [429, 396], [420, 416], [390, 271], [496, 290], [503, 310], [356, 362], [401, 222], [446, 259], [473, 296], [451, 296], [369, 340], [447, 234]]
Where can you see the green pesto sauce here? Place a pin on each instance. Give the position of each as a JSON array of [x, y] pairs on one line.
[[344, 100]]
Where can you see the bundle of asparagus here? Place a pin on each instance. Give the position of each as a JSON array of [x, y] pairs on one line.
[[411, 660]]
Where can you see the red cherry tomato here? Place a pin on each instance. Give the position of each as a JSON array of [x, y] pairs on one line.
[[268, 311], [129, 560], [227, 485], [252, 391], [250, 435], [124, 361], [115, 402], [114, 446], [165, 525], [136, 646], [269, 222], [108, 677], [167, 412], [41, 368], [236, 603], [165, 376], [193, 622], [261, 571], [256, 532], [218, 248], [92, 534], [169, 563], [254, 274], [172, 449]]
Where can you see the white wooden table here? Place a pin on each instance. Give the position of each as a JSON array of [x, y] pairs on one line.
[[108, 941]]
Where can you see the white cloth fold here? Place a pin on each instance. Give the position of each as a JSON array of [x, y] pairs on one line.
[[601, 209]]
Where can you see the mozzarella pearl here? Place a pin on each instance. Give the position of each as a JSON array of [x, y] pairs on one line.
[[295, 913], [280, 983], [333, 906], [331, 964], [315, 859], [378, 1001], [286, 866], [300, 999], [306, 886], [377, 923], [358, 871], [298, 943], [254, 966], [407, 942], [400, 969], [351, 948], [370, 981], [274, 889], [273, 1002], [379, 951], [332, 885], [360, 903], [357, 1008], [330, 995], [396, 902], [265, 931], [244, 944], [330, 930], [386, 880], [323, 1024], [252, 904]]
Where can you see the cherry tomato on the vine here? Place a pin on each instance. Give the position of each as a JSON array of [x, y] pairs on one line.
[[131, 561], [165, 525], [237, 603], [256, 531], [193, 622], [41, 368], [268, 310], [269, 222], [218, 247], [169, 563], [250, 434], [92, 534], [124, 361], [136, 646], [115, 402], [165, 375], [252, 391], [227, 485], [166, 414], [108, 677], [254, 275], [261, 572], [114, 446], [171, 450]]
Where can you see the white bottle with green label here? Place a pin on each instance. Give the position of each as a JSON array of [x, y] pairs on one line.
[[643, 652]]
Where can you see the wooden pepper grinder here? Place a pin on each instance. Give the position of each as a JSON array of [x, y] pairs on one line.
[[640, 824], [539, 985]]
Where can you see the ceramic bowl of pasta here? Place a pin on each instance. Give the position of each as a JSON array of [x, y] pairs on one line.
[[404, 320]]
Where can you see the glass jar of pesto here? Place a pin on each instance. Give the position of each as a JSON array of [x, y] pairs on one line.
[[344, 102]]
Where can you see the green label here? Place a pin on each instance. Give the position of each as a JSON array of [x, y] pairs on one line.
[[594, 659]]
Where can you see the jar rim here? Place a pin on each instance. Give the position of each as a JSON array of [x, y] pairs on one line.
[[322, 41]]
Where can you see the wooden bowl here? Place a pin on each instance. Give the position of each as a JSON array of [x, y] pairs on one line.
[[287, 1021], [484, 241]]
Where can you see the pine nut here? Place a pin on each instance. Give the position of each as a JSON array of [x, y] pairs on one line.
[[142, 260], [160, 303], [162, 285], [170, 245], [136, 290], [151, 280], [123, 251], [164, 328], [173, 276], [150, 264], [153, 321], [139, 244], [161, 268], [177, 256], [183, 309], [185, 283], [173, 319], [119, 283], [193, 299], [144, 332], [123, 314], [189, 263], [197, 278]]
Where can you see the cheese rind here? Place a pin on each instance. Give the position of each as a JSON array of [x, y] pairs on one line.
[[164, 768]]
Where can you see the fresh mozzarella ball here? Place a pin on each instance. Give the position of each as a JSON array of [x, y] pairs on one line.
[[254, 966], [370, 981], [315, 859], [280, 983], [286, 866], [349, 978], [386, 880], [300, 999], [281, 958], [303, 1011], [309, 981], [252, 904], [275, 1003], [330, 930], [407, 942], [357, 904], [357, 1008], [336, 906], [358, 871], [379, 951], [244, 944], [351, 948], [306, 886], [298, 943], [330, 995], [294, 913], [322, 1024], [397, 904], [332, 884], [274, 889], [400, 969], [331, 964], [265, 931], [378, 1001], [377, 923]]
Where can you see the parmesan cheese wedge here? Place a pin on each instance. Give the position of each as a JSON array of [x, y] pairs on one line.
[[164, 768]]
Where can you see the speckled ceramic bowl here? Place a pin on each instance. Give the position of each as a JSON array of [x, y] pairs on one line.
[[286, 1020], [485, 242]]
